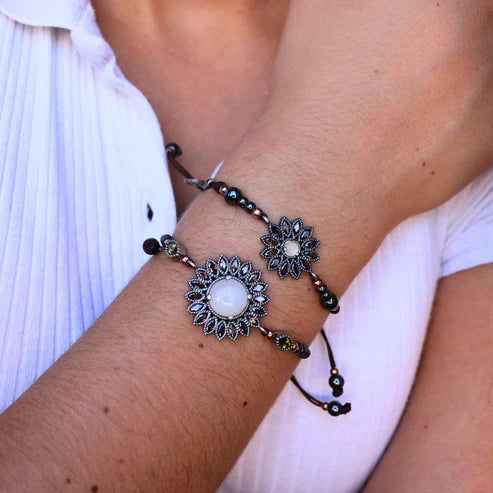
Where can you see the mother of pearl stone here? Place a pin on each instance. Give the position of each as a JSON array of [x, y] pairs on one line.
[[228, 298], [291, 248]]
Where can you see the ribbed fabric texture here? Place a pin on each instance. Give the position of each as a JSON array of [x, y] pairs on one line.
[[81, 158]]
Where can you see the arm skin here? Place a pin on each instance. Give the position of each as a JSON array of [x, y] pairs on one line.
[[144, 401], [137, 404], [445, 439]]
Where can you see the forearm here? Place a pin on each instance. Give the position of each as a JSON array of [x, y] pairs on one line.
[[143, 401]]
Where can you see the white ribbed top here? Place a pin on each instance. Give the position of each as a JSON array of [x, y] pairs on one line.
[[81, 157]]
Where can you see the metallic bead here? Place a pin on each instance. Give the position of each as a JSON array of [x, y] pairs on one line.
[[334, 371], [257, 212], [250, 207], [264, 218], [242, 202], [325, 406], [318, 282], [223, 189], [232, 195]]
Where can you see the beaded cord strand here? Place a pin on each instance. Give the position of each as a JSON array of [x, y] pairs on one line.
[[329, 300]]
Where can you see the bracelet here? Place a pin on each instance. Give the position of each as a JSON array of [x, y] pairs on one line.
[[205, 291], [227, 296], [289, 248]]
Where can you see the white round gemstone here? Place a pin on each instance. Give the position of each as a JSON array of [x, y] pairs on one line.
[[291, 248], [228, 298]]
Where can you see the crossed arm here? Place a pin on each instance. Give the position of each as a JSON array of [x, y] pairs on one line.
[[445, 439], [143, 401]]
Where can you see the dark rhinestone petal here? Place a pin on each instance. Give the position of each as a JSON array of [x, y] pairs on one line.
[[221, 329], [275, 231], [297, 225], [269, 252], [246, 268], [261, 298], [194, 296], [202, 274], [285, 225], [243, 328], [195, 307], [274, 263], [196, 284], [234, 264], [311, 255], [200, 318], [305, 264], [210, 325], [295, 269], [258, 311], [254, 276], [223, 264], [232, 331], [211, 266], [259, 287], [283, 269], [306, 233], [311, 244], [269, 240]]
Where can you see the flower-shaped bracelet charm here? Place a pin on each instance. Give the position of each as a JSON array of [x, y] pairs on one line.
[[227, 297], [290, 248]]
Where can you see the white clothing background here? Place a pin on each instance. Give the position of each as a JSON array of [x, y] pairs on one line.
[[81, 157]]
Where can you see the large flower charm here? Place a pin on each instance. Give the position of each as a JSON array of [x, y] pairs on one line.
[[227, 297], [290, 248]]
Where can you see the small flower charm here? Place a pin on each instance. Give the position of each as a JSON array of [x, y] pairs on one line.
[[290, 248], [227, 297]]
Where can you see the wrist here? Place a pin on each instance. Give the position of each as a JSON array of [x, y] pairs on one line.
[[348, 231]]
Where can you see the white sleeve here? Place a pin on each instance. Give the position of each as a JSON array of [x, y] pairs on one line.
[[469, 237]]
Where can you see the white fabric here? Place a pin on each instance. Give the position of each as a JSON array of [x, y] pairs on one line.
[[81, 157]]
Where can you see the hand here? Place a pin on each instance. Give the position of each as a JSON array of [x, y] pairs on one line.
[[392, 96]]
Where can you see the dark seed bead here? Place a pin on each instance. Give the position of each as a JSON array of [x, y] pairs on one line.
[[232, 195], [217, 185], [337, 309], [250, 207], [174, 148], [334, 408], [242, 202], [336, 382], [151, 246], [164, 238], [326, 295], [322, 289], [331, 303]]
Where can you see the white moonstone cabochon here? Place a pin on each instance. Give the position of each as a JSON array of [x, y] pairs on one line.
[[228, 298], [291, 248]]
